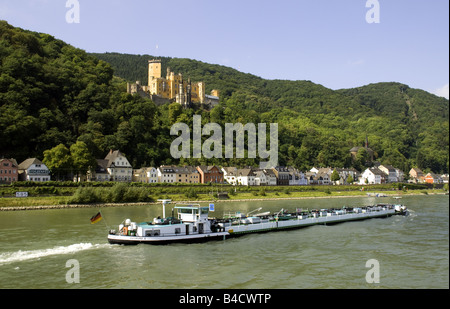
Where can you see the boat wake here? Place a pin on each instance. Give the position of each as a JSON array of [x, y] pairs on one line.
[[19, 256]]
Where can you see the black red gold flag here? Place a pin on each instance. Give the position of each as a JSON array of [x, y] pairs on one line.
[[96, 218]]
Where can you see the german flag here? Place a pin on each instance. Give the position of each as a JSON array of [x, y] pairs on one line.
[[96, 218]]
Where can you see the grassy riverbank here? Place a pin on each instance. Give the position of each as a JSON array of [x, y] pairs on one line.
[[94, 194]]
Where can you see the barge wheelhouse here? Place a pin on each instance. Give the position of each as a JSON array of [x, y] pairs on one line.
[[191, 225]]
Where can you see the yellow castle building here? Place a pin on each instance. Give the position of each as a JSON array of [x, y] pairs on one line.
[[173, 88]]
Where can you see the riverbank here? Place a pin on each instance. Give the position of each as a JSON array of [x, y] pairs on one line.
[[33, 204]]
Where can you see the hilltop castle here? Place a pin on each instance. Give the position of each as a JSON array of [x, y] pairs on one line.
[[173, 88]]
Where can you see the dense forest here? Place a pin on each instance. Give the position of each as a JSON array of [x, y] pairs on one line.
[[53, 94]]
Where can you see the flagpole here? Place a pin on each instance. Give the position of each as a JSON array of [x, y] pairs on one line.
[[103, 217]]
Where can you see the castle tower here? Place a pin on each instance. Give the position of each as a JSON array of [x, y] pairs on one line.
[[201, 92], [188, 93], [154, 70], [180, 96]]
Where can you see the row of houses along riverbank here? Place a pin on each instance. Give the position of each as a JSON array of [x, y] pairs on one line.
[[116, 167]]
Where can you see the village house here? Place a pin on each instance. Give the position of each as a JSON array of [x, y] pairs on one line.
[[260, 178], [373, 175], [345, 174], [310, 178], [229, 175], [187, 174], [100, 173], [33, 170], [265, 178], [211, 174], [152, 174], [9, 171], [271, 177], [432, 178], [416, 175], [115, 167], [296, 177], [282, 174], [390, 172], [166, 174], [245, 177], [319, 176], [145, 175], [139, 175], [324, 175], [118, 167], [323, 178]]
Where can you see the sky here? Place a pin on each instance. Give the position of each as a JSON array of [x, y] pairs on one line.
[[335, 43]]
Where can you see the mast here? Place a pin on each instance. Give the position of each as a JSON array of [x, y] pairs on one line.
[[164, 202]]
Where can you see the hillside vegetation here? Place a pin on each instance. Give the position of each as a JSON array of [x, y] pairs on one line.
[[52, 93]]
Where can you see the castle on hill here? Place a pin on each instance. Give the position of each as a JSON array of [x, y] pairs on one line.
[[173, 88]]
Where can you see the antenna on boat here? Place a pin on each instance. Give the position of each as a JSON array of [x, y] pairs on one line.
[[164, 202]]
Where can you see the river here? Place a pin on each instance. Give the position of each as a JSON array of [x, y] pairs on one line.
[[38, 250]]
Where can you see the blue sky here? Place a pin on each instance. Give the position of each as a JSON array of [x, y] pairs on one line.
[[326, 41]]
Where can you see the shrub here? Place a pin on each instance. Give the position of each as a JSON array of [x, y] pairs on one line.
[[85, 196], [191, 193], [118, 193]]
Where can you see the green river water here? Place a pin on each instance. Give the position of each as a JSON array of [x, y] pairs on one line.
[[412, 252]]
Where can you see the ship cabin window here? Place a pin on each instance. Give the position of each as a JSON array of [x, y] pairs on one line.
[[152, 233], [187, 211], [177, 231]]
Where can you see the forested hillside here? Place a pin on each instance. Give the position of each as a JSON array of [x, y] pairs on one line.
[[406, 127], [52, 93]]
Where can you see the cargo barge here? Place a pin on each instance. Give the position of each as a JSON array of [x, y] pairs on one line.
[[193, 224]]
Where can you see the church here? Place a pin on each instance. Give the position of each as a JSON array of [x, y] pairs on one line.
[[370, 152]]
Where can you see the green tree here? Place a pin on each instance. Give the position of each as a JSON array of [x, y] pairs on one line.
[[175, 110], [362, 158], [59, 161], [82, 159], [350, 179], [335, 176]]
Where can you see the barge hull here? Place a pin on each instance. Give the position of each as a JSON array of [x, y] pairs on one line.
[[135, 240], [241, 230]]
